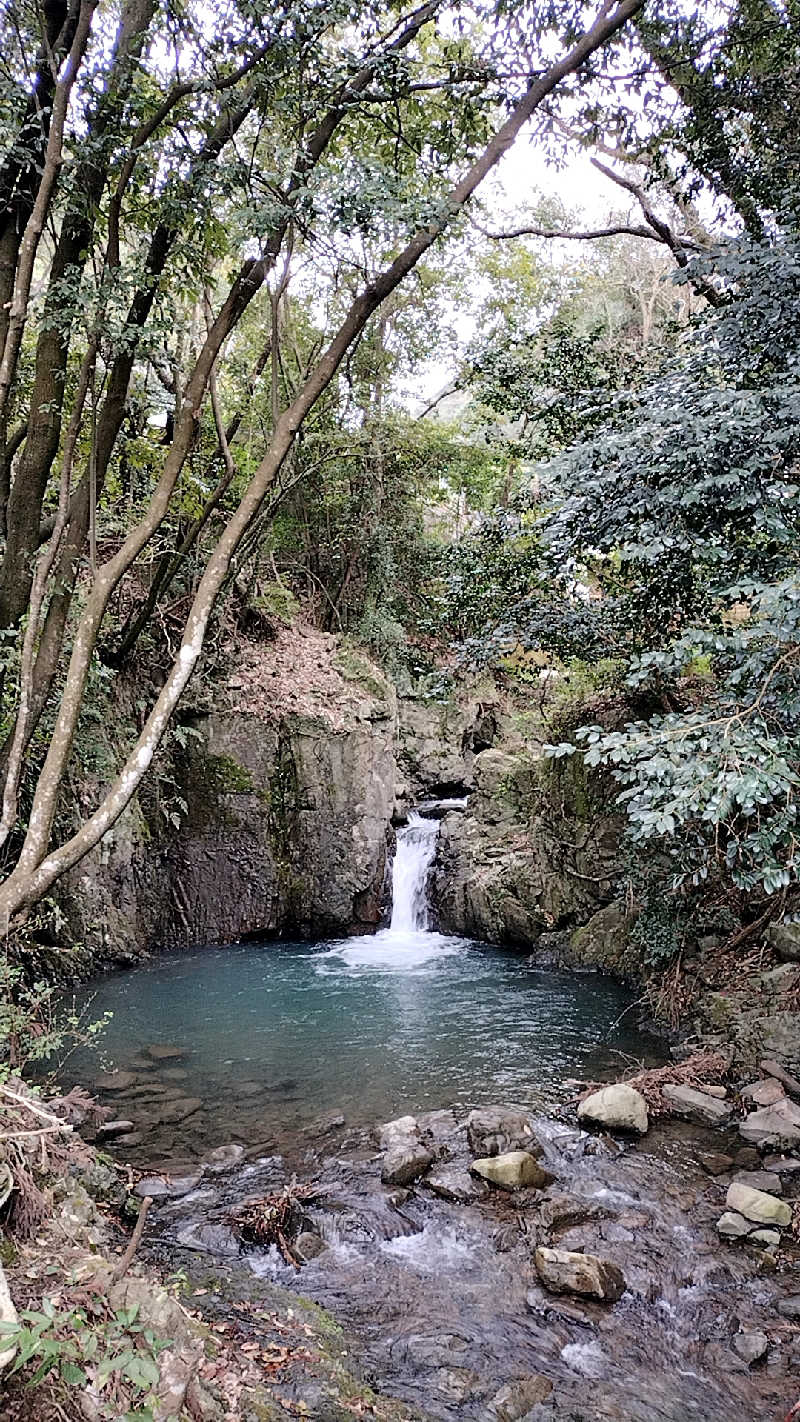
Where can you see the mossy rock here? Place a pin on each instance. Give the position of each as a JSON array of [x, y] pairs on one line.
[[604, 943], [355, 667]]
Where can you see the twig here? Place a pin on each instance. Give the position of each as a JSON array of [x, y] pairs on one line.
[[122, 1268]]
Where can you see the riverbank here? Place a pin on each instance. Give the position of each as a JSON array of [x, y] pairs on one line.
[[486, 1264]]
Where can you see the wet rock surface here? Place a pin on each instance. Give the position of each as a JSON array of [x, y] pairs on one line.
[[449, 1313]]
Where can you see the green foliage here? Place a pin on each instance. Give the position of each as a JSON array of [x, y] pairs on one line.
[[110, 1351]]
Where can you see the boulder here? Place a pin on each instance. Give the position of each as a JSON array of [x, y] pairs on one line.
[[757, 1206], [8, 1314], [224, 1157], [696, 1106], [775, 1126], [495, 1130], [790, 1307], [405, 1155], [514, 1170], [616, 1108], [158, 1187], [566, 1273]]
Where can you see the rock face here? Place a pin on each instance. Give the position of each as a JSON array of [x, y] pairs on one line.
[[503, 871], [566, 1273], [617, 1108], [270, 818], [514, 1170]]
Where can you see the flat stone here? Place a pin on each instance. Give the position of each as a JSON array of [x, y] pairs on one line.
[[170, 1112], [115, 1080], [747, 1158], [497, 1130], [175, 1074], [514, 1401], [563, 1272], [777, 1126], [763, 1093], [108, 1129], [760, 1180], [708, 1090], [616, 1108], [768, 1237], [750, 1345], [209, 1239], [133, 1138], [782, 1164], [733, 1226], [514, 1170], [790, 1307], [165, 1053], [784, 938], [716, 1163], [695, 1106], [756, 1205]]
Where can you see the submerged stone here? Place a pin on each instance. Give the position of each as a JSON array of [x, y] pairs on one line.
[[456, 1185], [115, 1080], [751, 1346], [566, 1273], [757, 1206], [514, 1170], [618, 1108], [165, 1053], [515, 1400]]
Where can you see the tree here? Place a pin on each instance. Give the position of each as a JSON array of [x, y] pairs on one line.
[[131, 182]]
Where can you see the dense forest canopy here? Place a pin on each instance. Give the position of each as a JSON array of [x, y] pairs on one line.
[[228, 237]]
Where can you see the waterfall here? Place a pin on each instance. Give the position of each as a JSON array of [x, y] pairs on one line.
[[416, 846]]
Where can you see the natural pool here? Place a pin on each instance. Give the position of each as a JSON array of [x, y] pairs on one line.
[[273, 1037]]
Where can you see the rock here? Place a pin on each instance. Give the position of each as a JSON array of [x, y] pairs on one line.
[[733, 1226], [769, 1237], [557, 1213], [695, 1106], [450, 1183], [777, 1126], [784, 938], [617, 1108], [158, 1187], [165, 1053], [790, 1307], [716, 1164], [8, 1314], [177, 1074], [747, 1158], [719, 1091], [405, 1156], [209, 1239], [763, 1093], [772, 1068], [565, 1273], [309, 1245], [750, 1346], [514, 1170], [514, 1401], [115, 1080], [760, 1180], [224, 1157], [132, 1138], [757, 1206], [782, 1164], [170, 1112], [495, 1130], [108, 1129], [405, 1162]]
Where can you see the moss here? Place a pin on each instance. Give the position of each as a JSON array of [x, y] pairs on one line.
[[354, 666], [227, 776]]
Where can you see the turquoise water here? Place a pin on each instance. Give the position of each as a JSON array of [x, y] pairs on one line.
[[273, 1037]]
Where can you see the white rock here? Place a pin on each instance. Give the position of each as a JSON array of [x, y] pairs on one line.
[[8, 1314], [617, 1108], [757, 1206]]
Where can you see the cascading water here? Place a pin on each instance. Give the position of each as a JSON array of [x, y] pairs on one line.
[[416, 847]]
